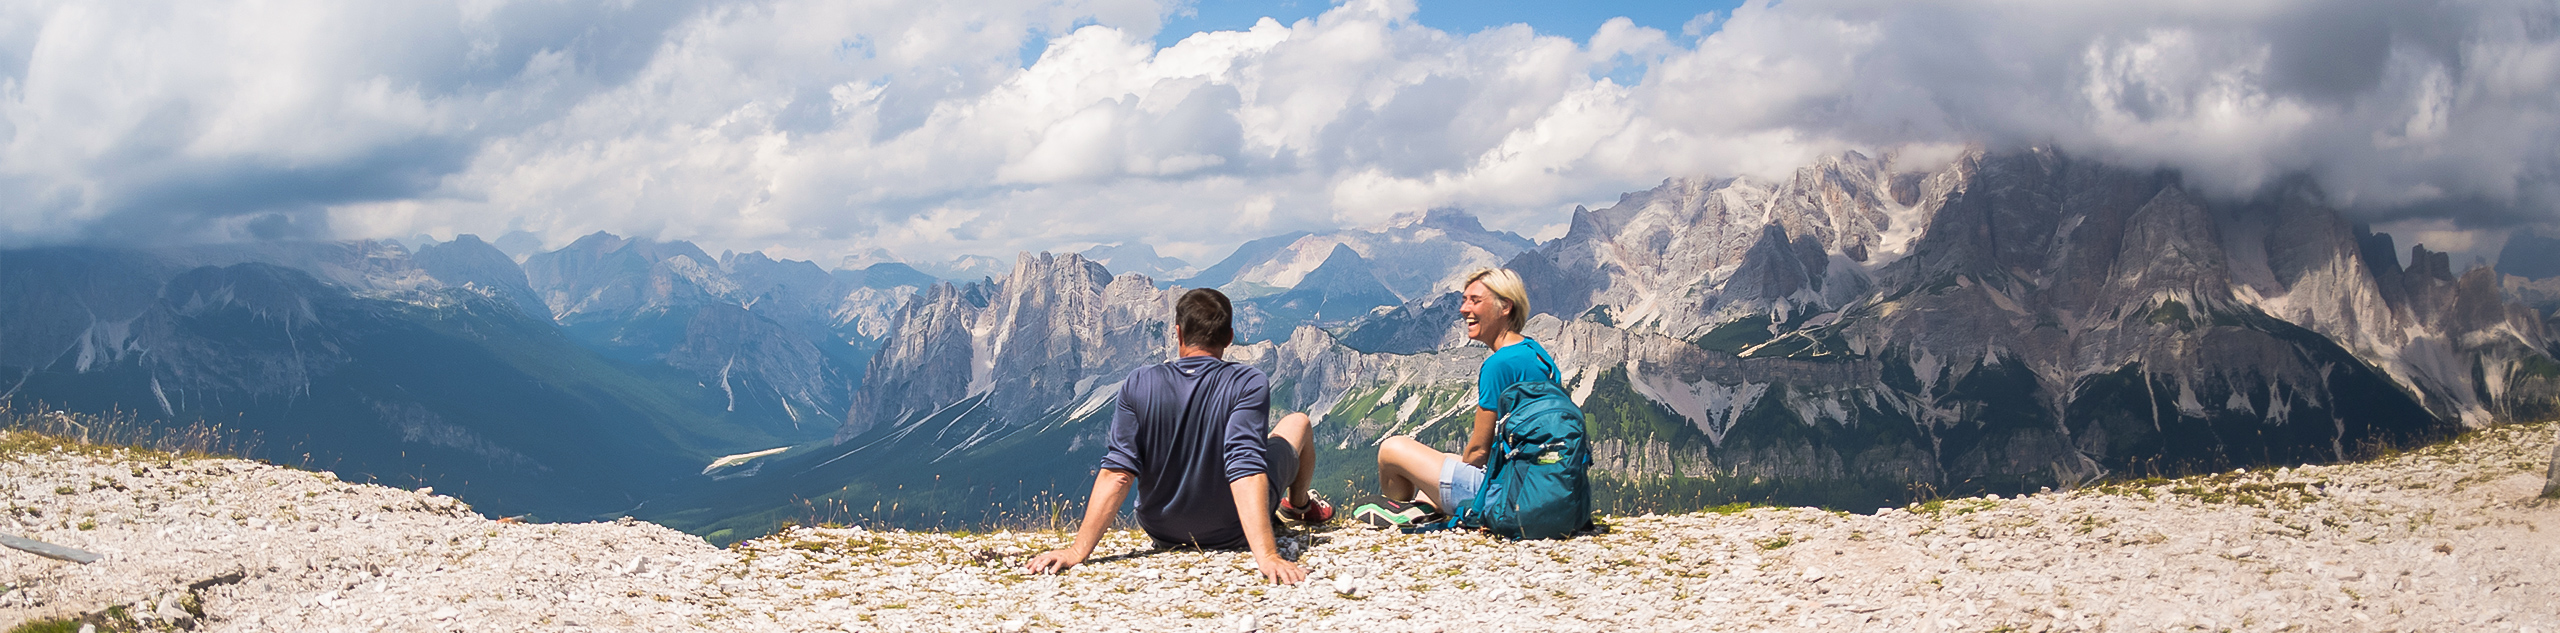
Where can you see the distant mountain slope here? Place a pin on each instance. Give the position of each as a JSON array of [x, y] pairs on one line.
[[1251, 253], [1343, 288], [1412, 255], [1137, 257], [468, 262], [446, 367], [448, 387], [782, 340], [884, 275]]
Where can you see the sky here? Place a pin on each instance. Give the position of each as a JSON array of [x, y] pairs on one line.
[[815, 129]]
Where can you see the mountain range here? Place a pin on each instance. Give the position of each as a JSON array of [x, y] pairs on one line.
[[1862, 332], [1858, 334], [580, 383]]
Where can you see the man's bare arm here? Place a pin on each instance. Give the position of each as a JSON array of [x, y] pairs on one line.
[[1253, 507], [1110, 488]]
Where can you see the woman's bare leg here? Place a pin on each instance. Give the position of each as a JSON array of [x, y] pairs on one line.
[[1408, 469], [1299, 432]]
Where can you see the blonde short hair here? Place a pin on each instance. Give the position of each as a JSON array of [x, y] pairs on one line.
[[1506, 286]]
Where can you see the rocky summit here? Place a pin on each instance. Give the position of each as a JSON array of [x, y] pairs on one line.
[[2440, 538]]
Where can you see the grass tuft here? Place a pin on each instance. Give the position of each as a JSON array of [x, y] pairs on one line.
[[116, 434]]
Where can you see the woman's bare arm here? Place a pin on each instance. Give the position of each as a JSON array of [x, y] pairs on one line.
[[1480, 440]]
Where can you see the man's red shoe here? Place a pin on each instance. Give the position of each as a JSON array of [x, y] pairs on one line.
[[1317, 511]]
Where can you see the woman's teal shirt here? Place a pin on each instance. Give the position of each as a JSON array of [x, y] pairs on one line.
[[1525, 360]]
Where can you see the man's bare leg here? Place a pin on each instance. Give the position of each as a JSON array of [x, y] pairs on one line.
[[1300, 433], [1408, 469]]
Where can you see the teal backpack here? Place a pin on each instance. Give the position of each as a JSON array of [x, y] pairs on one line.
[[1537, 482]]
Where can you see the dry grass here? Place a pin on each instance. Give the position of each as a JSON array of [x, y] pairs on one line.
[[43, 429]]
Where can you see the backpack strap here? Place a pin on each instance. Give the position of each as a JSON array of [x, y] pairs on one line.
[[1471, 516]]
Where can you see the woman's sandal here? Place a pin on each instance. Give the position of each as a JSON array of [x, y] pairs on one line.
[[1385, 513]]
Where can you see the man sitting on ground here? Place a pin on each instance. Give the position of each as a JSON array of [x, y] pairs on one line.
[[1191, 435]]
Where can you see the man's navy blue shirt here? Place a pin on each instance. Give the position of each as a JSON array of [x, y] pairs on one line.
[[1187, 429]]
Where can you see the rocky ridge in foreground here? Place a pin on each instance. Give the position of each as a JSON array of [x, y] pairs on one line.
[[2435, 539]]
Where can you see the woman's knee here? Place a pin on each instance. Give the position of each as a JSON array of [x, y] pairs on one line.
[[1393, 448], [1406, 454]]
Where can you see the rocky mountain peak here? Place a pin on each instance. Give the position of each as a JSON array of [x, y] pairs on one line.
[[1042, 339], [1451, 219], [2430, 263], [1344, 287], [2170, 246], [868, 258], [469, 262], [1137, 257], [1413, 255], [606, 274]]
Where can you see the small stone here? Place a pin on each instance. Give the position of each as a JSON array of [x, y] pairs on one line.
[[2243, 552], [1346, 586], [445, 613], [1012, 626], [2551, 482], [1247, 623]]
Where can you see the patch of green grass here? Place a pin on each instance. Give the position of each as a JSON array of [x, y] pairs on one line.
[[2171, 313], [1775, 543], [48, 626], [2221, 489], [1732, 338]]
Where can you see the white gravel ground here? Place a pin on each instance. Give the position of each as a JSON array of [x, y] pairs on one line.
[[2444, 538]]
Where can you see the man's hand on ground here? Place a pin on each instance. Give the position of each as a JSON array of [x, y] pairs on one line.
[[1054, 561], [1280, 570]]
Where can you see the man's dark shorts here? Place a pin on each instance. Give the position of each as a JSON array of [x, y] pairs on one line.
[[1279, 469], [1280, 465]]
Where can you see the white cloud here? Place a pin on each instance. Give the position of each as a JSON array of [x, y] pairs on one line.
[[812, 128]]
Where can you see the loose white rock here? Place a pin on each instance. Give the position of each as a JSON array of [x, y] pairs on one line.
[[2443, 538]]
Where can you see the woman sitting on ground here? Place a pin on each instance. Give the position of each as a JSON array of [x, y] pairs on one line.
[[1495, 309]]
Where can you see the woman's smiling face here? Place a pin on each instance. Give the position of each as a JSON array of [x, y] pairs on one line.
[[1487, 316]]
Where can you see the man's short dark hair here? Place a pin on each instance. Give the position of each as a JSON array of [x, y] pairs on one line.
[[1203, 317]]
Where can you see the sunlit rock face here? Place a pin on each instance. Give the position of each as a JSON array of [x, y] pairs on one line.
[[1056, 332]]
